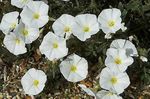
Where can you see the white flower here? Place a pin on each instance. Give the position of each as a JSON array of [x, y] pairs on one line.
[[63, 25], [53, 46], [103, 94], [28, 34], [117, 59], [87, 90], [35, 14], [9, 22], [125, 44], [19, 3], [123, 27], [86, 25], [33, 81], [110, 20], [74, 68], [144, 59], [14, 44], [113, 81]]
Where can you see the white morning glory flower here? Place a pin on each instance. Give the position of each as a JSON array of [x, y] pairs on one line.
[[35, 14], [33, 81], [28, 34], [125, 44], [85, 26], [117, 59], [103, 94], [110, 20], [63, 25], [53, 47], [19, 3], [74, 68], [113, 81], [87, 90], [9, 22], [14, 44]]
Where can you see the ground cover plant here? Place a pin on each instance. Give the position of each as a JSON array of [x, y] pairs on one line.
[[74, 49]]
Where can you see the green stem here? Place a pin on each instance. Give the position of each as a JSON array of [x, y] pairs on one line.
[[77, 2], [93, 3], [53, 69]]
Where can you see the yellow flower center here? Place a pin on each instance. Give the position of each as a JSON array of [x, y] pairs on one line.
[[67, 29], [35, 83], [13, 25], [36, 15], [110, 94], [118, 60], [25, 32], [86, 29], [73, 68], [17, 41], [113, 80], [55, 45], [111, 23], [24, 1]]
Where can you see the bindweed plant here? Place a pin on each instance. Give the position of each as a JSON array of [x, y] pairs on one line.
[[54, 45]]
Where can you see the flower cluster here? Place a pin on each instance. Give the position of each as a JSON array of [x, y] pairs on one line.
[[113, 77], [18, 32]]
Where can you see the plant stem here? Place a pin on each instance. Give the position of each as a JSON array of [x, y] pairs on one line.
[[77, 2], [93, 4]]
